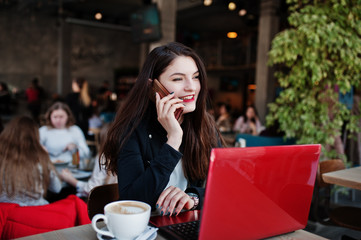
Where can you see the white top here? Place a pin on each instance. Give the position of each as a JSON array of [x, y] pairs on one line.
[[244, 127], [55, 140], [25, 198], [177, 178], [99, 177]]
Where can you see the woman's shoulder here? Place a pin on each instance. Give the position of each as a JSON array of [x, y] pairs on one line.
[[44, 128], [240, 119], [74, 128]]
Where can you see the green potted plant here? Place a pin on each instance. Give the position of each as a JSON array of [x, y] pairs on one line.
[[317, 57]]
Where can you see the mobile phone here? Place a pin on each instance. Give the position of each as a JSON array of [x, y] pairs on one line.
[[162, 91]]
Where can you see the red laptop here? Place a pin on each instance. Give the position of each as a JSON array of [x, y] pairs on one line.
[[255, 192]]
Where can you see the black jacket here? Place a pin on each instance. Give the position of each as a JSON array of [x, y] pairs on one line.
[[146, 162]]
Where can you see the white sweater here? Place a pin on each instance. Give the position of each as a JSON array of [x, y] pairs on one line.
[[55, 140]]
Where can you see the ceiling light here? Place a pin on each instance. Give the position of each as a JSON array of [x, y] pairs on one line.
[[242, 12], [207, 2], [98, 16], [232, 34], [252, 86], [232, 6]]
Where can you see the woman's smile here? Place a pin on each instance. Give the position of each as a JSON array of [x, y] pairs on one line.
[[188, 98]]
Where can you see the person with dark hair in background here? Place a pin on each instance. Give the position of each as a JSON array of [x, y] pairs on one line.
[[79, 101], [5, 99], [248, 123], [34, 96], [162, 158], [1, 125], [26, 171], [224, 121]]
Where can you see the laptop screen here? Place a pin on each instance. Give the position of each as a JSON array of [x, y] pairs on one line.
[[257, 192]]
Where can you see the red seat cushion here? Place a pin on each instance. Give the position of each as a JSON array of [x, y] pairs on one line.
[[19, 221]]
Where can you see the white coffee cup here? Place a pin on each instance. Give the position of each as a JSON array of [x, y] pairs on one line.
[[124, 219]]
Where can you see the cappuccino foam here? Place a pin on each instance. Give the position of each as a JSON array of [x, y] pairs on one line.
[[127, 208]]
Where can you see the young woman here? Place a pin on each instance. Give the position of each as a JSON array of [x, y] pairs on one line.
[[25, 168], [60, 136], [224, 120], [248, 123], [159, 159]]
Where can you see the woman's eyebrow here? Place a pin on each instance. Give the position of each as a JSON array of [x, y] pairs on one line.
[[177, 74], [183, 74]]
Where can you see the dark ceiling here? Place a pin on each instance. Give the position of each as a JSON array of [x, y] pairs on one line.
[[192, 15]]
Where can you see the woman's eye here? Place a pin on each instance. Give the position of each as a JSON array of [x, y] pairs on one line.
[[177, 79], [196, 77]]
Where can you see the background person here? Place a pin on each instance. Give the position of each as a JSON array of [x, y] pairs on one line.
[[99, 175], [158, 159], [248, 123], [5, 99], [34, 96], [25, 168], [79, 101], [224, 120], [60, 136]]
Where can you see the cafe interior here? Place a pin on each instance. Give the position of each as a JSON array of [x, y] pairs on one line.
[[106, 42]]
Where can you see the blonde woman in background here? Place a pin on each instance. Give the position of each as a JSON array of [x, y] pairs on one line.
[[79, 101]]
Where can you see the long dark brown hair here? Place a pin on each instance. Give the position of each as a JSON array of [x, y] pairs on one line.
[[200, 132], [20, 158]]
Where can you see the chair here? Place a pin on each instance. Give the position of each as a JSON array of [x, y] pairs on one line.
[[95, 132], [344, 216], [20, 221], [101, 196], [255, 141]]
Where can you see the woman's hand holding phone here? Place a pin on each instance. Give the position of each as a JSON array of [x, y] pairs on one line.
[[162, 91], [166, 107]]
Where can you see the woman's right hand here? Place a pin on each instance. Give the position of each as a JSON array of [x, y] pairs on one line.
[[70, 147], [253, 128], [165, 111]]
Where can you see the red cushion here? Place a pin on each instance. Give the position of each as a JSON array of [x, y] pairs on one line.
[[24, 221]]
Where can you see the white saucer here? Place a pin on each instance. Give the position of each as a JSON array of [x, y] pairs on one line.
[[61, 163], [102, 237]]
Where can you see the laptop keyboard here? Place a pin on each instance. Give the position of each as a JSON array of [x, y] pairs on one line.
[[186, 230]]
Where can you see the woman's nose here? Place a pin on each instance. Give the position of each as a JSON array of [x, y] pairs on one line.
[[190, 84]]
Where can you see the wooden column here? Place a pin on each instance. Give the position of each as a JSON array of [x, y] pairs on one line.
[[64, 50], [265, 81], [168, 14]]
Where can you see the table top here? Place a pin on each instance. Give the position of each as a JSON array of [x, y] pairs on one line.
[[86, 232], [350, 177]]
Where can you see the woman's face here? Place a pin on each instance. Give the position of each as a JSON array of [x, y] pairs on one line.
[[59, 118], [75, 86], [222, 110], [250, 113], [182, 78]]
